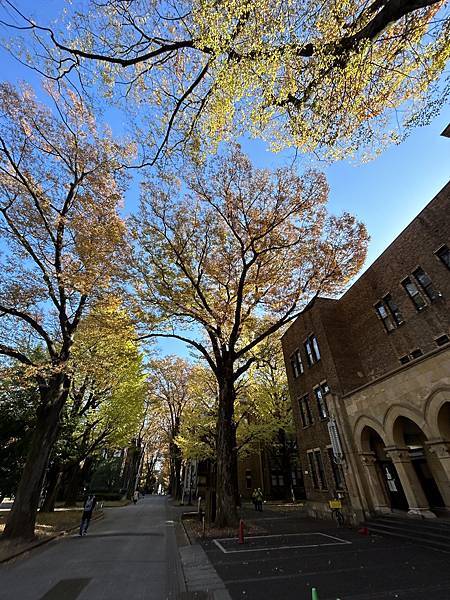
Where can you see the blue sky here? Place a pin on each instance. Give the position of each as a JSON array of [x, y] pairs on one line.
[[386, 193]]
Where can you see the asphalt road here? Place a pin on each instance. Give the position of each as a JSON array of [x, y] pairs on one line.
[[131, 553], [296, 554]]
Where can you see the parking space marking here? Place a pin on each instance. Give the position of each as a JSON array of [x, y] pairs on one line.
[[337, 542]]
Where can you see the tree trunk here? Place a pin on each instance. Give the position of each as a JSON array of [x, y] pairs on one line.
[[226, 485], [22, 518], [53, 483]]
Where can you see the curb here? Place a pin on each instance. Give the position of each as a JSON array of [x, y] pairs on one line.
[[199, 573], [48, 539]]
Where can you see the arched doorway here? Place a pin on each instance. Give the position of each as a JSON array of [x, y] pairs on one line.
[[409, 435], [382, 471], [443, 421]]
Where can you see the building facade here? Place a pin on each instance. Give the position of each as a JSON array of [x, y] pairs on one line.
[[377, 360]]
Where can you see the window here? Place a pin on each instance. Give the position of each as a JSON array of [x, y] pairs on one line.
[[320, 470], [404, 359], [312, 468], [277, 479], [413, 292], [320, 392], [384, 316], [248, 479], [443, 339], [444, 255], [416, 353], [305, 411], [393, 309], [338, 475], [296, 363], [426, 284], [312, 349]]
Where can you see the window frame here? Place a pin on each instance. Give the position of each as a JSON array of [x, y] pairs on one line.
[[320, 469], [379, 307], [312, 350], [306, 418], [320, 396], [424, 281], [393, 309], [313, 469], [439, 255], [336, 470], [408, 281]]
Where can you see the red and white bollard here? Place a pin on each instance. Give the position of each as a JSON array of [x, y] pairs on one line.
[[241, 531]]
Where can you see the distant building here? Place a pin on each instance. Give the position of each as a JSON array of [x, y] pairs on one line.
[[378, 360]]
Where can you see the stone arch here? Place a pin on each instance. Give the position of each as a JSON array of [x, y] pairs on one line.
[[362, 422], [400, 410], [433, 405]]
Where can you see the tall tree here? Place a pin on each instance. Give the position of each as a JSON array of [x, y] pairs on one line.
[[107, 396], [324, 76], [168, 389], [61, 185], [240, 244]]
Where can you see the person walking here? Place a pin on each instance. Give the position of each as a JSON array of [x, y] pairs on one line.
[[135, 497], [254, 499], [88, 509], [259, 499]]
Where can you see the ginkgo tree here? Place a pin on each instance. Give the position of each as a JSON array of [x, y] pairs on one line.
[[61, 188], [230, 246], [107, 397], [322, 76]]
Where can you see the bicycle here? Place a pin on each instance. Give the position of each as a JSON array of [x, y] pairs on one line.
[[336, 513]]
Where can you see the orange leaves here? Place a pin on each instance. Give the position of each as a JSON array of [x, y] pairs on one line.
[[262, 245]]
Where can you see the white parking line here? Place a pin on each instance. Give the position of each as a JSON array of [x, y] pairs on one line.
[[337, 542]]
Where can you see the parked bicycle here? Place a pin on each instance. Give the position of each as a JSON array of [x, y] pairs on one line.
[[336, 512]]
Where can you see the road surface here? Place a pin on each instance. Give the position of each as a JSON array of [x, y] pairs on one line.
[[131, 553]]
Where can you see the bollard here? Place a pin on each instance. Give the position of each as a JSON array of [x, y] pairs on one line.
[[314, 594], [241, 531]]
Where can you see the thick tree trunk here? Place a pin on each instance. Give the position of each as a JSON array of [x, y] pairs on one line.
[[22, 518], [226, 484]]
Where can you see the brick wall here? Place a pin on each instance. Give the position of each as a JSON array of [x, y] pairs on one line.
[[354, 344]]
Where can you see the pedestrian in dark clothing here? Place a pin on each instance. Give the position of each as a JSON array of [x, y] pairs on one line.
[[255, 499], [88, 509], [259, 499]]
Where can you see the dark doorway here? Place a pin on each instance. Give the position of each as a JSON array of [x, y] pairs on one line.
[[426, 478]]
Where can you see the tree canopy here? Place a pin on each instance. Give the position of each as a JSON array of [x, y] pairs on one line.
[[321, 76], [237, 252]]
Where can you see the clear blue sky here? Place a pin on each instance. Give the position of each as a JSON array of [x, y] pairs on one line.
[[386, 193]]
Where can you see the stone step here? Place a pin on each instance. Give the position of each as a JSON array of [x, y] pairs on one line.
[[439, 525], [411, 530]]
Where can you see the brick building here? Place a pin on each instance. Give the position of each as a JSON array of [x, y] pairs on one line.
[[377, 360]]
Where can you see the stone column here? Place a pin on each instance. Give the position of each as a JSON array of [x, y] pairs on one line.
[[378, 496], [438, 456], [417, 502]]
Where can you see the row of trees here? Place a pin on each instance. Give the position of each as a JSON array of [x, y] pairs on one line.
[[228, 258], [223, 257], [183, 411]]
